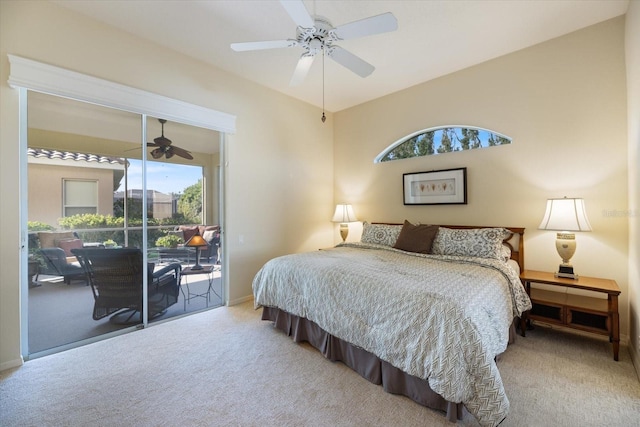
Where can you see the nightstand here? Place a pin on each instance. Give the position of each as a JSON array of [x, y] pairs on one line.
[[589, 314]]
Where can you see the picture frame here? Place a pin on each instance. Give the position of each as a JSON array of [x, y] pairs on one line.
[[441, 187]]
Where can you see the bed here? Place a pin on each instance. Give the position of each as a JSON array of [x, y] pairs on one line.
[[423, 310]]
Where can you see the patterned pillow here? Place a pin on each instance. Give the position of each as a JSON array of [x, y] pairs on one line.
[[477, 242], [380, 234], [505, 252]]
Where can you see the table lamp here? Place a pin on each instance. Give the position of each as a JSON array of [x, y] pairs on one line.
[[196, 241], [344, 215], [565, 216]]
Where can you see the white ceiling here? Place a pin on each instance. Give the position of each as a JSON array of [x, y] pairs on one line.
[[434, 37]]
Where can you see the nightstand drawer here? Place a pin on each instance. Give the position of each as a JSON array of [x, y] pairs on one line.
[[548, 306], [589, 320]]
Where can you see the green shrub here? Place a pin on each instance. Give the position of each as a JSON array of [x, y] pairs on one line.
[[87, 222], [81, 221], [168, 241], [39, 226]]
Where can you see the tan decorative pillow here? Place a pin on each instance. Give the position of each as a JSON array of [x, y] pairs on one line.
[[48, 238], [416, 238]]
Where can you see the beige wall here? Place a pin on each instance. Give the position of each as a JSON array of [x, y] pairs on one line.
[[564, 104], [632, 38], [279, 169], [45, 190]]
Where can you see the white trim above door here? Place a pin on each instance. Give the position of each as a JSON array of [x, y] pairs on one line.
[[40, 77]]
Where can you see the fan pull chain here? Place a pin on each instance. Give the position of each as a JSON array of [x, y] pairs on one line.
[[324, 118]]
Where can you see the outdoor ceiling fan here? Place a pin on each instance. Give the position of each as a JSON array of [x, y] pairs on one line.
[[316, 35], [164, 147]]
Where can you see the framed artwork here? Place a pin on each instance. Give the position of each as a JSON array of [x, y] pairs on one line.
[[443, 187]]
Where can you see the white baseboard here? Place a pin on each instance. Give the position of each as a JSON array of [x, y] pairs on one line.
[[635, 359], [11, 364], [241, 300]]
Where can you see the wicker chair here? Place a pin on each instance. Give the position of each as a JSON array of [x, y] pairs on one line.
[[116, 275], [57, 264]]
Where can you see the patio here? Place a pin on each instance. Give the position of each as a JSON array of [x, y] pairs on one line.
[[60, 314]]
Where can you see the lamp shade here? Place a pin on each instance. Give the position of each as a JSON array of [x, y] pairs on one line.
[[565, 215], [344, 214], [196, 241]]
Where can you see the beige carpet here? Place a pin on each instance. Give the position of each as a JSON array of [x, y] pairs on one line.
[[225, 367]]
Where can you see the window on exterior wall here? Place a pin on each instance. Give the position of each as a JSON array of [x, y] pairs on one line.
[[442, 139], [79, 197]]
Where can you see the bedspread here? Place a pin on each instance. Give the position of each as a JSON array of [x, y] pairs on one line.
[[440, 318]]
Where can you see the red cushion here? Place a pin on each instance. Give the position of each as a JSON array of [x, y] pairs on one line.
[[188, 232], [68, 244]]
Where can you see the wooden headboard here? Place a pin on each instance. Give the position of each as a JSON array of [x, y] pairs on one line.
[[515, 241]]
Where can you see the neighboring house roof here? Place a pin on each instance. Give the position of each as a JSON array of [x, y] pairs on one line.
[[41, 153], [151, 194]]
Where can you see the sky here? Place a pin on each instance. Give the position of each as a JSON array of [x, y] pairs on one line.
[[163, 177]]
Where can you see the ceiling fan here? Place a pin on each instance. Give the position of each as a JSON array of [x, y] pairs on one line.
[[317, 35], [164, 147]]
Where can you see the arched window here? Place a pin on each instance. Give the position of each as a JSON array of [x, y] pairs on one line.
[[441, 139]]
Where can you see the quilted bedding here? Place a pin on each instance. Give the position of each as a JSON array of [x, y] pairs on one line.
[[440, 318]]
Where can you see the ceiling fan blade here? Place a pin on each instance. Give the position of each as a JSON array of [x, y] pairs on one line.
[[302, 69], [367, 26], [179, 152], [270, 44], [350, 61], [298, 12], [151, 144]]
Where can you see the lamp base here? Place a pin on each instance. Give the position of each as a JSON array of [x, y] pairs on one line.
[[197, 266], [344, 231], [566, 271]]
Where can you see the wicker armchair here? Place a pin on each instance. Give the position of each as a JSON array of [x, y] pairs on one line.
[[116, 275]]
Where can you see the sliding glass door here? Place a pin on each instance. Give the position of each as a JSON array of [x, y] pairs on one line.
[[110, 215], [182, 202], [76, 156]]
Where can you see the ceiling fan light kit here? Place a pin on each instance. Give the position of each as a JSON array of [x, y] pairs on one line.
[[315, 35]]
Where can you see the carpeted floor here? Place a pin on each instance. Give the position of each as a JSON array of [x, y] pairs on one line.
[[226, 367]]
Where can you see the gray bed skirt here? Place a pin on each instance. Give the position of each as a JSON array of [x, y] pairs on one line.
[[369, 366]]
